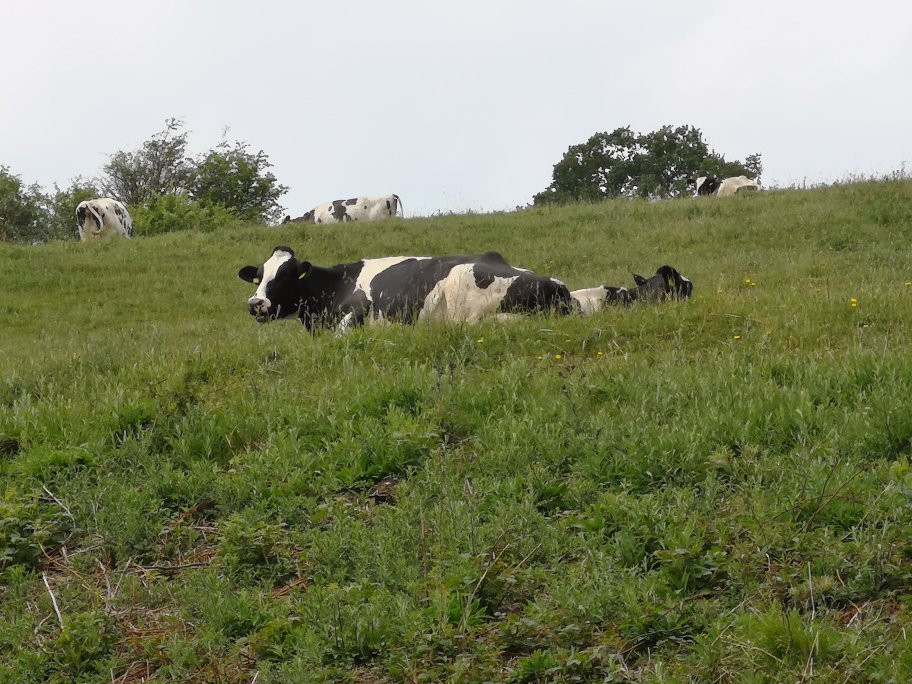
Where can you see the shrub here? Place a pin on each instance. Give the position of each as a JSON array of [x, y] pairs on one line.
[[169, 213]]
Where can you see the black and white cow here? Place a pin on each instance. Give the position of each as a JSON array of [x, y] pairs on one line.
[[407, 289], [403, 288], [667, 283], [711, 185], [354, 209], [103, 217]]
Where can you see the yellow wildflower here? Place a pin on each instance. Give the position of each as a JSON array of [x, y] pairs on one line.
[[558, 357], [737, 337]]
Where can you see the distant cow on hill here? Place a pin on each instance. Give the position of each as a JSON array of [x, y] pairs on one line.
[[460, 289], [711, 185], [101, 218], [354, 209]]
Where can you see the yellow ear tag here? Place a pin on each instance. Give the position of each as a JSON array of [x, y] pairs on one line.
[[256, 281], [303, 275]]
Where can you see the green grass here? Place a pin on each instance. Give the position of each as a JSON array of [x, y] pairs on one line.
[[710, 490]]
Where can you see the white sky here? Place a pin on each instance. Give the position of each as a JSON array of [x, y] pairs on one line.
[[454, 104]]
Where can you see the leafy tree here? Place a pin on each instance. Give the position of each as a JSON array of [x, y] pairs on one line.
[[234, 178], [159, 167], [23, 217], [626, 164]]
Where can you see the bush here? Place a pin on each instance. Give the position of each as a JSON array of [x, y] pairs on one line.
[[23, 217], [168, 213]]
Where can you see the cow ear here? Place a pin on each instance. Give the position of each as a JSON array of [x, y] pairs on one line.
[[249, 273], [303, 270], [638, 279]]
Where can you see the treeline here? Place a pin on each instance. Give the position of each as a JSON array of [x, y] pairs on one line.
[[166, 189], [163, 186], [655, 165]]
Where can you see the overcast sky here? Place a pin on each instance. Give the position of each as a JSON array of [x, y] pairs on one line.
[[454, 105]]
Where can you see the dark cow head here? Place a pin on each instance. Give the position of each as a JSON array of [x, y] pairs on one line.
[[308, 217], [280, 288], [667, 283]]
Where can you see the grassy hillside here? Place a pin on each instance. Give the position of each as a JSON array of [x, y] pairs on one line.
[[709, 490]]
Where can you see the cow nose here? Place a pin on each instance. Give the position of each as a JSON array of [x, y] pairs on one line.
[[255, 304]]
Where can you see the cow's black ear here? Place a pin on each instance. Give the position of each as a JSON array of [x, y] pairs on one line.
[[638, 279], [303, 269], [249, 273]]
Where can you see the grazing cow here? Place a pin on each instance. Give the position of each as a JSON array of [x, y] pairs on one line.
[[409, 289], [710, 185], [355, 209], [101, 218], [667, 283]]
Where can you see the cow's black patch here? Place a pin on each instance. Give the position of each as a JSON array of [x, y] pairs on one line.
[[307, 217], [351, 202], [709, 186], [339, 212], [666, 283], [402, 288], [530, 293]]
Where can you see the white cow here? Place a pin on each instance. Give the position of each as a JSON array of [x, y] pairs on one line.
[[710, 185], [103, 217], [355, 209]]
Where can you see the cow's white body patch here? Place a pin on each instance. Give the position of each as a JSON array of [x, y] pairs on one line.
[[737, 184], [590, 299], [457, 299]]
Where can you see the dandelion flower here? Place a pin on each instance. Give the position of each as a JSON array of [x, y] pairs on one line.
[[747, 281], [853, 303], [480, 340], [600, 353], [909, 283], [558, 357], [737, 337]]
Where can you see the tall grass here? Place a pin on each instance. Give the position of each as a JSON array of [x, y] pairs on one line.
[[708, 490]]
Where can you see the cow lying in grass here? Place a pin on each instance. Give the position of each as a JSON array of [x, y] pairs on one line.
[[460, 289], [354, 209]]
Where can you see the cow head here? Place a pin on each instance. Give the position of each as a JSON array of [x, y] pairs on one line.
[[706, 185], [88, 221], [666, 283], [279, 287]]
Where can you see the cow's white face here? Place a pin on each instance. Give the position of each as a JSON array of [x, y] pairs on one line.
[[268, 301]]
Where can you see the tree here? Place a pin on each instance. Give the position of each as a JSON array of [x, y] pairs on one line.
[[231, 177], [23, 217], [159, 167], [626, 164]]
